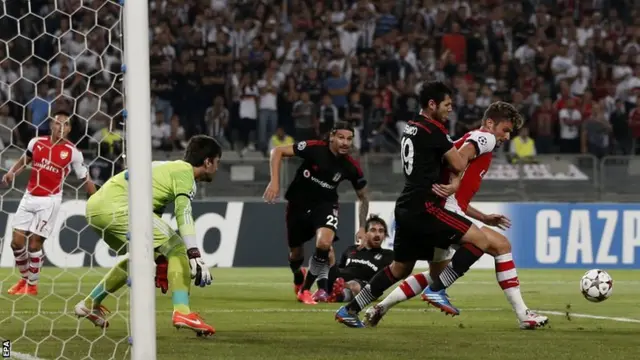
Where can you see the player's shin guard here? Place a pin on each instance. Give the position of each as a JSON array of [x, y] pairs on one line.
[[112, 281], [318, 266], [380, 282], [464, 257], [507, 277], [298, 275], [22, 261], [409, 288], [35, 264]]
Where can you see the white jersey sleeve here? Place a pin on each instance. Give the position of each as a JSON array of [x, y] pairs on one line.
[[77, 163], [483, 141]]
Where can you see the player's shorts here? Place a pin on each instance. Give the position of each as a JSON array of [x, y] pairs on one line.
[[37, 214], [303, 221], [113, 227], [446, 254], [419, 232]]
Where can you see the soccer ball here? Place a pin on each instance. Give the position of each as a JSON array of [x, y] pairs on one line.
[[596, 285]]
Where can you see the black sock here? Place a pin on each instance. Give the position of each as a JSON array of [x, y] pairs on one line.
[[319, 263], [380, 282], [322, 284], [334, 274], [462, 260], [295, 265]]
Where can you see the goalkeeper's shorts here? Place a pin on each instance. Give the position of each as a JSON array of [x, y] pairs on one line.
[[114, 227]]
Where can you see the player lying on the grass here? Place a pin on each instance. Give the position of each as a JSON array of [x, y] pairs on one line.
[[359, 263], [51, 157], [498, 122], [422, 222], [108, 214], [312, 208]]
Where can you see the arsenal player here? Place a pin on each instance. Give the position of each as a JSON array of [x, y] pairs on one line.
[[477, 146], [51, 158]]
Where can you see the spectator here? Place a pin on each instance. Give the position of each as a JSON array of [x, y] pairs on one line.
[[160, 133], [595, 133], [217, 121], [268, 109], [8, 130], [570, 120], [306, 123], [280, 138], [522, 147], [328, 115]]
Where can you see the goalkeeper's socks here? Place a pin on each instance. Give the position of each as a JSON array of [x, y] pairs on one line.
[[463, 259], [380, 282], [318, 267], [180, 300], [298, 275]]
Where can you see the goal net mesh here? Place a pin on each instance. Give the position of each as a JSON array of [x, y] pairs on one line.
[[68, 54]]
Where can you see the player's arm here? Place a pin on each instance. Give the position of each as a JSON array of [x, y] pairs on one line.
[[500, 221], [22, 163], [81, 171], [303, 149], [184, 191], [476, 214]]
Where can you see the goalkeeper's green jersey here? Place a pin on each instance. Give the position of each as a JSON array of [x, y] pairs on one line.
[[173, 181]]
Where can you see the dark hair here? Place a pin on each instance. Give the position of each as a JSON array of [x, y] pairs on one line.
[[342, 125], [375, 219], [200, 148], [500, 111], [433, 90]]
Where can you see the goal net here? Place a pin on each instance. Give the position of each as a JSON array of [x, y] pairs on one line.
[[61, 54]]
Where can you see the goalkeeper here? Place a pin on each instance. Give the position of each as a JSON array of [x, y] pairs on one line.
[[177, 256]]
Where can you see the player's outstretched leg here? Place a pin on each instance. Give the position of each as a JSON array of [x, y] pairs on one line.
[[381, 281], [19, 247], [91, 307], [35, 263], [475, 242], [322, 294], [179, 277], [410, 287], [318, 264], [507, 277]]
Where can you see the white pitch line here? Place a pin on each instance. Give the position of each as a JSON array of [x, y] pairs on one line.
[[588, 316], [23, 356], [324, 310]]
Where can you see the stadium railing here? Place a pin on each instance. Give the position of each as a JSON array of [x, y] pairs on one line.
[[557, 177]]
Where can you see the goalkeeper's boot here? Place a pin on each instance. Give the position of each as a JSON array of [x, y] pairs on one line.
[[296, 287], [306, 297], [373, 315], [440, 300], [18, 288], [531, 320], [348, 318], [97, 315], [192, 321], [320, 296]]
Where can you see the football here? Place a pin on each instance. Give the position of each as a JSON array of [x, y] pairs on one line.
[[596, 285]]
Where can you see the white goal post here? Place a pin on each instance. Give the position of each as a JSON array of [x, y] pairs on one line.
[[138, 145]]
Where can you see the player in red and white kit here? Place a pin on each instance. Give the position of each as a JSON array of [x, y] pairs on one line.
[[478, 146], [51, 158]]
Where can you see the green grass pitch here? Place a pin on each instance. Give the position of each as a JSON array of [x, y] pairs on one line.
[[257, 317]]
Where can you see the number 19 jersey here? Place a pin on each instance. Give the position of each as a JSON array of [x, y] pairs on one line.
[[424, 143]]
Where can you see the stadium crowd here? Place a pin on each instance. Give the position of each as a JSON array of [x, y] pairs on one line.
[[256, 74]]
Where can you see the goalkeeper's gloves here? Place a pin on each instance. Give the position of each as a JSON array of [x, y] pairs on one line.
[[199, 271], [162, 282]]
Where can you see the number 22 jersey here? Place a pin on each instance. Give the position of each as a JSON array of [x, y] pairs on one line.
[[424, 143]]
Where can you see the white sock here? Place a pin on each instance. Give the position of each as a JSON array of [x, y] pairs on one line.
[[409, 288], [507, 277], [35, 264]]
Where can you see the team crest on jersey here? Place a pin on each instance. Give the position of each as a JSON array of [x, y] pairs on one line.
[[64, 154], [337, 177], [378, 256], [302, 145]]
